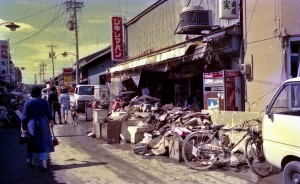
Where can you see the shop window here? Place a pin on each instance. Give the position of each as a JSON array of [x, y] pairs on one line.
[[294, 58]]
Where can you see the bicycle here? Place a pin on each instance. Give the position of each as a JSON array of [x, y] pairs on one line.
[[205, 148]]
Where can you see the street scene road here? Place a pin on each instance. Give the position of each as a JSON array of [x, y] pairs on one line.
[[82, 159]]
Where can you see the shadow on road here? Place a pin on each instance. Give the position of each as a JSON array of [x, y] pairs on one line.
[[13, 167], [72, 166]]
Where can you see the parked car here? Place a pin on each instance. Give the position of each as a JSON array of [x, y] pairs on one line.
[[281, 128]]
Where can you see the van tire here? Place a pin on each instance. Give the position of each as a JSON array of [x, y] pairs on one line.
[[291, 172]]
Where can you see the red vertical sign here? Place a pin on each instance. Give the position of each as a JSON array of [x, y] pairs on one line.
[[4, 61], [230, 89], [117, 51]]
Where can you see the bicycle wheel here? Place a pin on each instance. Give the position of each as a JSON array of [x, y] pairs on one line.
[[255, 157], [194, 151]]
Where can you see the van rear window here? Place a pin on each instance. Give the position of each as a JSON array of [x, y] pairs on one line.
[[86, 90]]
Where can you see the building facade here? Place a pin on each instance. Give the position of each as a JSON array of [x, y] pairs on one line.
[[169, 47], [271, 48]]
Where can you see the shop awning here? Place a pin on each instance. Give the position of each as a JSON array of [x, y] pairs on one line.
[[199, 51], [153, 59]]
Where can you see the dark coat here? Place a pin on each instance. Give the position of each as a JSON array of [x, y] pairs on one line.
[[53, 101], [36, 116]]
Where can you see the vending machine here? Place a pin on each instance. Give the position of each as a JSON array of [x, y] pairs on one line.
[[222, 90]]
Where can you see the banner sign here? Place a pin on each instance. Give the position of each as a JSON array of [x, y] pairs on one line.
[[4, 61], [117, 50], [229, 9]]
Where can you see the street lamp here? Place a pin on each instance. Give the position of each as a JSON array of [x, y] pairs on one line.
[[11, 25], [65, 54]]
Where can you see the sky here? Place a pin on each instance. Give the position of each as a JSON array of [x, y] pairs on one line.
[[43, 23]]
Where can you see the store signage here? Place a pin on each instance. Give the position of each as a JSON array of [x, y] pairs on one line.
[[4, 61], [67, 75], [117, 50], [229, 9]]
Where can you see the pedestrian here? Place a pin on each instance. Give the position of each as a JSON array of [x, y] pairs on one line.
[[64, 100], [54, 104], [36, 120]]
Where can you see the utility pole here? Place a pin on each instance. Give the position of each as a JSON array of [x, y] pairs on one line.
[[73, 26], [42, 72], [52, 56], [35, 78]]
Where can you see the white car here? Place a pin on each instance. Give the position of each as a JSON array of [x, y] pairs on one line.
[[281, 128]]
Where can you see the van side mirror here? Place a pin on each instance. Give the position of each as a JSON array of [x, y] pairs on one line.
[[267, 111]]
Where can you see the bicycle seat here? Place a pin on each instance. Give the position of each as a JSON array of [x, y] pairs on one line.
[[217, 127]]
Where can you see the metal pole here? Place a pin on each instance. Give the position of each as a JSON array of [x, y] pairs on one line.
[[73, 5], [77, 52], [52, 55]]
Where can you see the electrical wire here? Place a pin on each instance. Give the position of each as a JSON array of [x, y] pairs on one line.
[[47, 25], [53, 25], [36, 13]]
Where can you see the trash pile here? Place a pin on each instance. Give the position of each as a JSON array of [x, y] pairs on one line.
[[162, 123]]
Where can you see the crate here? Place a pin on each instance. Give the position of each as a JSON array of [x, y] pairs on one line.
[[110, 131], [175, 147], [99, 114]]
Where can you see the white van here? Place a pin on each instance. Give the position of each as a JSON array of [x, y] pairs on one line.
[[89, 93], [281, 128]]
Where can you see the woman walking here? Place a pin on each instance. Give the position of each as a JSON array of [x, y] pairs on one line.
[[37, 119], [64, 100]]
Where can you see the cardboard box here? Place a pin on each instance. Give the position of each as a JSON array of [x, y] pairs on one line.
[[110, 132], [99, 114], [175, 147]]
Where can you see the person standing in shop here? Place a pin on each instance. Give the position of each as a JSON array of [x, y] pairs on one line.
[[145, 91], [192, 103]]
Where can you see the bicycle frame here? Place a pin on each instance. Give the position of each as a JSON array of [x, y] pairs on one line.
[[215, 134]]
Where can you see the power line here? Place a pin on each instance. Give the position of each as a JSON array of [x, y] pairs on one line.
[[18, 42], [36, 13]]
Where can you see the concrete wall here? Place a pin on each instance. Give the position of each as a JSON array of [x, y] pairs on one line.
[[231, 119], [263, 49], [289, 16]]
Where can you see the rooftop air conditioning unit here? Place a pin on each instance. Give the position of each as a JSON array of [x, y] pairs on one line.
[[195, 19]]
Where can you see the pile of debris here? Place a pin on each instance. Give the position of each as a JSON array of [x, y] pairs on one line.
[[163, 123]]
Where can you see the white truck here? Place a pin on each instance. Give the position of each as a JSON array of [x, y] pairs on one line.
[[281, 128], [89, 93]]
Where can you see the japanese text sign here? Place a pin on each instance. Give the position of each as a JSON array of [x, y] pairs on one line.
[[117, 51], [4, 58], [228, 9]]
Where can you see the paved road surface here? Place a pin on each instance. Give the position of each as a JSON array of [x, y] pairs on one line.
[[81, 159]]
